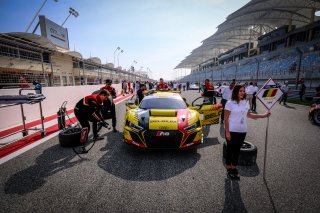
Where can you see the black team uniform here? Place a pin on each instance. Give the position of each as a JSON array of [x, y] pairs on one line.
[[88, 109], [109, 110], [111, 90], [140, 93]]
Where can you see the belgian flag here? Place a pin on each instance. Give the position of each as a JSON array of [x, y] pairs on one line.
[[270, 93]]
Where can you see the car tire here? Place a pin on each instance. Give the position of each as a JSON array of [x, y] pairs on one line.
[[248, 153], [70, 137], [316, 117]]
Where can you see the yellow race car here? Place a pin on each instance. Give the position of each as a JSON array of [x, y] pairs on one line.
[[164, 121]]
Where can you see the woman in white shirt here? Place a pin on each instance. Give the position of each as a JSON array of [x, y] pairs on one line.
[[235, 117]]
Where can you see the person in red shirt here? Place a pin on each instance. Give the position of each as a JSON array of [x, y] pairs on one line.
[[109, 88], [208, 91], [162, 85], [88, 109], [129, 87]]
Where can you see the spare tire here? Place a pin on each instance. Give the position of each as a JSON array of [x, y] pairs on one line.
[[248, 153], [70, 137]]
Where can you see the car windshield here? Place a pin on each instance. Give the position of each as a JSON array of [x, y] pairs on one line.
[[162, 103]]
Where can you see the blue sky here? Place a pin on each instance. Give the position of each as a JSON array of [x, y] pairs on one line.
[[158, 34]]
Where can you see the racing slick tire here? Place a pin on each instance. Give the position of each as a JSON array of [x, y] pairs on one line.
[[248, 153], [316, 117], [70, 137]]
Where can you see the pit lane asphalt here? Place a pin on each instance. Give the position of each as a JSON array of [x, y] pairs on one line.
[[114, 177]]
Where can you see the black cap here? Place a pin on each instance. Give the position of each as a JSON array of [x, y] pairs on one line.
[[108, 81]]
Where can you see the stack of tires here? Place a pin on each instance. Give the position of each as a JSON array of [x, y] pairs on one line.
[[248, 154], [70, 137]]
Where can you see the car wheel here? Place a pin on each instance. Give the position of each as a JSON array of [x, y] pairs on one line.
[[70, 137], [316, 117], [248, 153]]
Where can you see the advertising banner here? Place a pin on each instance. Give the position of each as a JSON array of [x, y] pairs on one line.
[[54, 32]]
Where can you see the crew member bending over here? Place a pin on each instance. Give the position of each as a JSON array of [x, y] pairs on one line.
[[88, 109]]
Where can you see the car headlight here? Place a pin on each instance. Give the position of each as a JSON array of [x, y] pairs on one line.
[[192, 127], [134, 126]]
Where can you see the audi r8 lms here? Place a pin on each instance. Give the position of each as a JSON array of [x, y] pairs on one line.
[[164, 121]]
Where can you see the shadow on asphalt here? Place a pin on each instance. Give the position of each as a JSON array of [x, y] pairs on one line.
[[209, 142], [130, 163], [51, 161], [289, 107], [245, 171], [205, 131], [233, 200], [222, 131]]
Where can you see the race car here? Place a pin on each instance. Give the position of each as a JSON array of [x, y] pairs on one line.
[[193, 87], [164, 121]]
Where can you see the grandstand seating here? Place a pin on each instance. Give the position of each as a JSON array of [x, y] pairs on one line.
[[276, 64]]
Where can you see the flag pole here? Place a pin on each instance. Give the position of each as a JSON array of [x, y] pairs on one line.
[[265, 149]]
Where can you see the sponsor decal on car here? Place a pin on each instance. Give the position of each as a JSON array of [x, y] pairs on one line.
[[163, 123], [162, 134]]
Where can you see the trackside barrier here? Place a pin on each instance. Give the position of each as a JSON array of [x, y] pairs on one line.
[[11, 116]]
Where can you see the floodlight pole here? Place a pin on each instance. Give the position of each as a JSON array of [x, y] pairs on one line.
[[71, 12], [114, 56], [35, 16], [121, 51]]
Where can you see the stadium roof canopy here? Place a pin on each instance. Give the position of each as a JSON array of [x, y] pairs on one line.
[[31, 39], [249, 22]]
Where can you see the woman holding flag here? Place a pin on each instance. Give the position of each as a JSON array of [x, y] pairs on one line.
[[235, 117]]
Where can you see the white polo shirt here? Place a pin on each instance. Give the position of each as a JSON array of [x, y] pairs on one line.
[[226, 93], [238, 115], [250, 90]]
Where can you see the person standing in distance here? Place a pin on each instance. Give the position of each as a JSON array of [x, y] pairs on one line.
[[109, 88], [254, 98], [226, 95], [162, 85], [37, 87], [285, 89], [140, 93], [302, 90], [249, 93], [208, 92], [235, 117]]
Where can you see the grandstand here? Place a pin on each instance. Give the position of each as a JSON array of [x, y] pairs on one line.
[[27, 57], [263, 39]]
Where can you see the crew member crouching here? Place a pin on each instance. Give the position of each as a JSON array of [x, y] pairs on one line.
[[88, 109]]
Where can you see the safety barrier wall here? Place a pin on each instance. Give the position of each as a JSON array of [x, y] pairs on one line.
[[55, 96]]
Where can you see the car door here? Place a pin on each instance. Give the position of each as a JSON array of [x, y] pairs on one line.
[[209, 113]]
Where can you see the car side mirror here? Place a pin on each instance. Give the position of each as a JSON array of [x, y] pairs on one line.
[[195, 107]]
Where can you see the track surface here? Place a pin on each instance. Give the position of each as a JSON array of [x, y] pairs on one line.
[[115, 177]]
